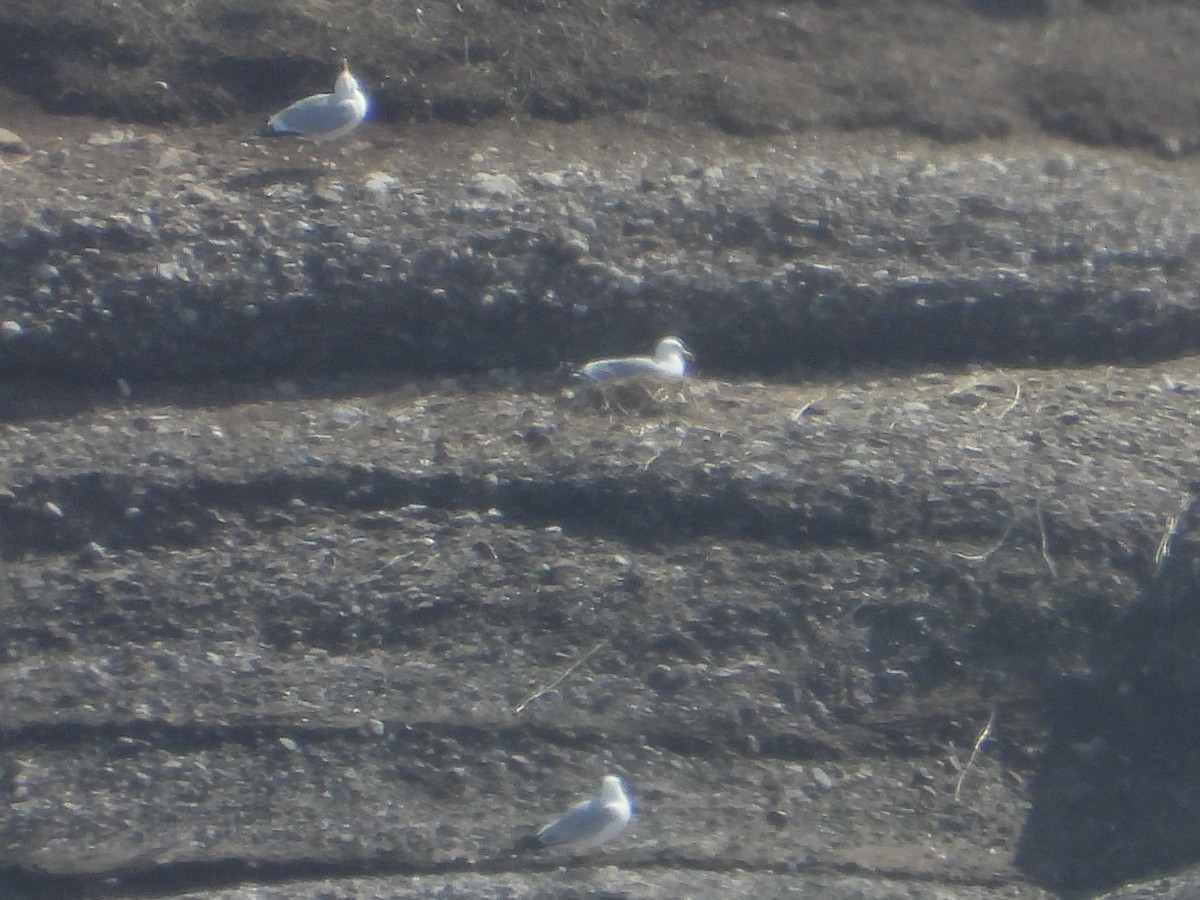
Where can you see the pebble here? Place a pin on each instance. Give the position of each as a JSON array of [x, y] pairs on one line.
[[550, 180], [107, 138], [380, 182], [173, 159], [1060, 165], [11, 144], [777, 817], [487, 184]]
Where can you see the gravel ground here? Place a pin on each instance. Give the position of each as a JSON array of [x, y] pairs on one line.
[[262, 637], [322, 579], [181, 255]]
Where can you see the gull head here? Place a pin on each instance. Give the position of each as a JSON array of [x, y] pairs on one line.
[[673, 354], [346, 87], [612, 791]]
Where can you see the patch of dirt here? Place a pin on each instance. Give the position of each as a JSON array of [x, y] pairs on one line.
[[952, 71]]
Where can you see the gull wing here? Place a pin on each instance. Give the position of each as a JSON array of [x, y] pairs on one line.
[[315, 116], [587, 822], [625, 367]]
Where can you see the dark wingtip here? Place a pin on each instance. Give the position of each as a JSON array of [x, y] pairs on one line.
[[527, 843], [270, 131]]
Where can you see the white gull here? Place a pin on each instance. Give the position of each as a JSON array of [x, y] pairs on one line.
[[323, 117], [669, 361], [592, 822]]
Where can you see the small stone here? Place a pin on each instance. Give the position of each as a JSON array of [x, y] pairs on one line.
[[347, 414], [489, 185], [200, 193], [777, 818], [11, 144], [666, 680], [380, 182], [550, 180], [173, 159], [327, 194], [172, 271], [11, 328], [107, 138], [966, 398], [1060, 165], [1171, 147]]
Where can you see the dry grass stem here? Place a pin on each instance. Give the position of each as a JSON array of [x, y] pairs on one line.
[[1050, 564], [1175, 526], [542, 691], [990, 552], [984, 737], [1015, 400]]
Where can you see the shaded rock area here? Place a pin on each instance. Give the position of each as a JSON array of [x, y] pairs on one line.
[[1120, 761], [320, 578]]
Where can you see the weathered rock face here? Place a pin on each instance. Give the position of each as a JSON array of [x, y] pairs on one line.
[[319, 577]]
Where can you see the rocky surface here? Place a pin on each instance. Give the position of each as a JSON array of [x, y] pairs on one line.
[[202, 256], [321, 579]]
